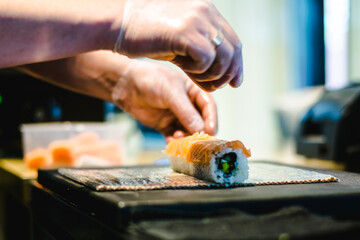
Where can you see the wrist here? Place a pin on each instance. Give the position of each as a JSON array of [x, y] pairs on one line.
[[114, 76], [107, 38]]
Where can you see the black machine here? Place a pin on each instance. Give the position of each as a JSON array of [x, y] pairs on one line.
[[331, 128]]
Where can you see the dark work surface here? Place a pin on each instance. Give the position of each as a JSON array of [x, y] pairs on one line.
[[55, 218], [119, 208], [67, 210], [287, 223]]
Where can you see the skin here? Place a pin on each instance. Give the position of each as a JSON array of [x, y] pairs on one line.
[[68, 43], [42, 30], [160, 97], [183, 30]]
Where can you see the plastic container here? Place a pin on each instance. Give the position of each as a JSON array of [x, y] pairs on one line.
[[41, 135]]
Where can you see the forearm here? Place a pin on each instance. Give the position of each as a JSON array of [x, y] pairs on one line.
[[160, 97], [94, 73], [42, 30]]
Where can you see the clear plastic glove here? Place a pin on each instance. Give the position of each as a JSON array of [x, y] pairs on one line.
[[183, 32], [165, 99]]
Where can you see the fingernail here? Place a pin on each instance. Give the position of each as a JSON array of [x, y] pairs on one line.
[[211, 124], [213, 127], [237, 83]]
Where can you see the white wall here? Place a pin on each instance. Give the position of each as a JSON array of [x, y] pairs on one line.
[[247, 113]]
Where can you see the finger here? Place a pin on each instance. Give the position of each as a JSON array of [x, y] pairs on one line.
[[231, 76], [238, 79], [223, 59], [171, 134], [172, 128], [197, 57], [168, 139], [167, 121], [206, 105], [211, 86], [179, 134], [230, 34], [186, 113]]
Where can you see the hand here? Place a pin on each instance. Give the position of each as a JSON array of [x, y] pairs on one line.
[[165, 99], [180, 31]]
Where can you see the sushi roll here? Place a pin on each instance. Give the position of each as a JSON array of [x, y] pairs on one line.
[[208, 158]]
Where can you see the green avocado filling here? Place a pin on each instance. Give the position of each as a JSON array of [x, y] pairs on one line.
[[226, 162]]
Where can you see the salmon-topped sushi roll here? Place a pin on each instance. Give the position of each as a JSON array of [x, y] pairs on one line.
[[209, 158]]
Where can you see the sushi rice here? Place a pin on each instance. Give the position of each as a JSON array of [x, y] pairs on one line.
[[212, 172]]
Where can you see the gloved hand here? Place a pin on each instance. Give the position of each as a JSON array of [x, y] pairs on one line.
[[165, 99], [190, 33]]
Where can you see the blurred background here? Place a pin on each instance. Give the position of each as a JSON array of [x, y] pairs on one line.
[[292, 51]]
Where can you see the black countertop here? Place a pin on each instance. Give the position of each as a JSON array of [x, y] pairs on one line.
[[119, 209]]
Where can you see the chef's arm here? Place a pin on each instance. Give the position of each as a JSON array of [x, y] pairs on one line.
[[93, 73], [43, 30], [190, 33], [160, 97]]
